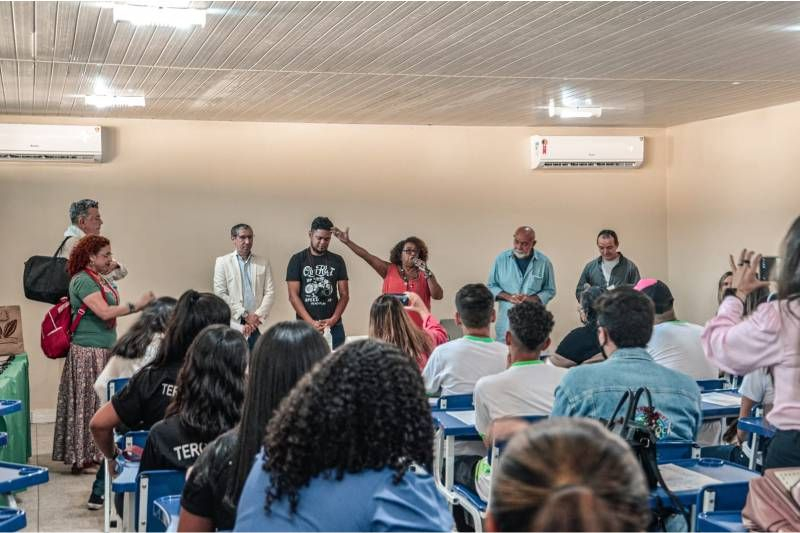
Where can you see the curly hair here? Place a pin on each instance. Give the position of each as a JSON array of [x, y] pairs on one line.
[[194, 311], [210, 385], [280, 357], [627, 315], [396, 254], [152, 321], [389, 322], [541, 476], [88, 246], [361, 408], [530, 324]]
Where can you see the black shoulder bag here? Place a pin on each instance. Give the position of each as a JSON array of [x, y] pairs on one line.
[[642, 440], [45, 278]]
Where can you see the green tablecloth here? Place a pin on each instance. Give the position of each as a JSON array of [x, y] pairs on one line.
[[14, 386]]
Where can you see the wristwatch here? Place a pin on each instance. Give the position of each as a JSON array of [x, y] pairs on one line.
[[131, 308]]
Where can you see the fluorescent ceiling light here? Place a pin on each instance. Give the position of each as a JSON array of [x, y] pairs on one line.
[[153, 15], [110, 100], [580, 112]]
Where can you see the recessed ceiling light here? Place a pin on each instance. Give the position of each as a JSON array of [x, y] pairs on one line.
[[110, 100], [736, 83], [580, 112], [156, 15]]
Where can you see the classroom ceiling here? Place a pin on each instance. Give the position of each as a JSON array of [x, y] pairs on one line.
[[460, 63]]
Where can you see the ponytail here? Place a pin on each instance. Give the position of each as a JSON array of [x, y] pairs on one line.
[[575, 508]]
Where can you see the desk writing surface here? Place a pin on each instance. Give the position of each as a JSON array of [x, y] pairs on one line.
[[126, 480]]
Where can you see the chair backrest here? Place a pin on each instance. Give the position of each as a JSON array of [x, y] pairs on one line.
[[722, 497], [168, 511], [711, 384], [114, 386], [453, 330], [152, 485], [454, 402], [674, 450]]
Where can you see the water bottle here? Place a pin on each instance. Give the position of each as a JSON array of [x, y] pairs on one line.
[[328, 337]]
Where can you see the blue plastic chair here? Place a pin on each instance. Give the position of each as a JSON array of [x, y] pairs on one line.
[[454, 402], [153, 485], [719, 507], [707, 385], [12, 519], [114, 386], [674, 450]]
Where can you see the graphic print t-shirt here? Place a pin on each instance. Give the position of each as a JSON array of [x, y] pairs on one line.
[[318, 275]]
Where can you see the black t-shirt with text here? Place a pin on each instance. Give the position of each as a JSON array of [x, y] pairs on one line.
[[171, 446], [580, 344], [207, 487], [318, 276], [145, 398]]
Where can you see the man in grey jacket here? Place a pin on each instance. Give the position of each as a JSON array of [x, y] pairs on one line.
[[610, 270]]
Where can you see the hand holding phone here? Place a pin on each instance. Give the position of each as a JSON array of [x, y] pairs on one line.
[[399, 296]]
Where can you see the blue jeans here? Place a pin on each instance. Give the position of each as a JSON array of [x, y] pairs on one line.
[[337, 334]]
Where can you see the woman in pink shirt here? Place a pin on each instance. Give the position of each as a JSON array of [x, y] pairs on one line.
[[388, 322], [769, 337], [406, 269]]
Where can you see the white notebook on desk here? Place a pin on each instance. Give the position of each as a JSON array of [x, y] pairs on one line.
[[468, 417], [678, 478], [719, 398]]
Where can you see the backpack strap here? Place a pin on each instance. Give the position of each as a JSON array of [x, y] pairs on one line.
[[77, 320], [62, 246]]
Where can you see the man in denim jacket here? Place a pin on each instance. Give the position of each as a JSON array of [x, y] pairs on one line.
[[625, 323]]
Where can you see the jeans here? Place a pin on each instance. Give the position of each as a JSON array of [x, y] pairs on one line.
[[337, 334], [251, 340]]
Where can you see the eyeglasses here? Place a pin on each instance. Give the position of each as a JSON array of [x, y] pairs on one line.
[[411, 251]]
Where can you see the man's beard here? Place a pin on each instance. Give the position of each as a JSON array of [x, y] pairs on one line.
[[520, 255]]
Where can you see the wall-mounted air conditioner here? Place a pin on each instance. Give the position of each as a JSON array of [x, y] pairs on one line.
[[558, 151], [38, 142]]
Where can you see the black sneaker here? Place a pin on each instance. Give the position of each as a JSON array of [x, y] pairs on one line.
[[95, 502]]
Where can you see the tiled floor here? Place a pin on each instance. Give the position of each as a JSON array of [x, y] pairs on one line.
[[59, 504]]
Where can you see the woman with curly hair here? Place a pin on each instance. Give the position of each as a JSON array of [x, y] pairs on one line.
[[208, 401], [406, 270], [348, 450], [95, 301], [279, 359], [389, 321], [542, 484]]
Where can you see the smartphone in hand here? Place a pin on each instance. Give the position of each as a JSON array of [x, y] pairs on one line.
[[399, 296]]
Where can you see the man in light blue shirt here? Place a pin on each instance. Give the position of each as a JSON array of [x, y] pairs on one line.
[[520, 274]]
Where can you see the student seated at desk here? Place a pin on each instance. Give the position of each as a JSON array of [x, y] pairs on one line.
[[756, 389], [145, 398], [625, 319], [580, 346], [525, 388], [208, 401], [454, 367], [279, 359], [349, 449], [568, 475]]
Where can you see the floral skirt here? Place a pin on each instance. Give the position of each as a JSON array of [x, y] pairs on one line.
[[77, 403]]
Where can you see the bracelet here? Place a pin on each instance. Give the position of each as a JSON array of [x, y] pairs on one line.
[[131, 308]]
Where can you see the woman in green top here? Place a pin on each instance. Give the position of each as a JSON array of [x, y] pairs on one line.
[[89, 349]]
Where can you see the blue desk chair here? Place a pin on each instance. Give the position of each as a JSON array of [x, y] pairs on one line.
[[12, 519], [112, 387], [168, 510], [153, 485], [673, 450], [719, 507], [454, 402], [707, 385]]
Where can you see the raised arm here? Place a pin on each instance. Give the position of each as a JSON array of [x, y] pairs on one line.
[[379, 265]]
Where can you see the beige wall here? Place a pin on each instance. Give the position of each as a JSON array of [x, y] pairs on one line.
[[172, 190], [732, 183]]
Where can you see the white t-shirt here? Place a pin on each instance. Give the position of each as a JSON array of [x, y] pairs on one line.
[[676, 345], [607, 267], [758, 386], [454, 367], [524, 389]]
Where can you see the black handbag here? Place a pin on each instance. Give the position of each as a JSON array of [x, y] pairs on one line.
[[642, 440], [45, 278]]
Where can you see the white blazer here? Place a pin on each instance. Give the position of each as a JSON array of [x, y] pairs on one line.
[[228, 285]]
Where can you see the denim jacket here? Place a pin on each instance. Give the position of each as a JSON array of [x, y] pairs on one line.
[[593, 391]]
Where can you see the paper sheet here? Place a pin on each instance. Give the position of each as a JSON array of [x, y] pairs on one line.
[[719, 398], [467, 417], [678, 478]]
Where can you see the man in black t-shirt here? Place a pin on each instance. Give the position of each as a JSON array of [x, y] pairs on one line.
[[317, 281]]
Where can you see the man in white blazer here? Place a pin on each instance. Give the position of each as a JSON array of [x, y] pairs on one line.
[[244, 280]]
